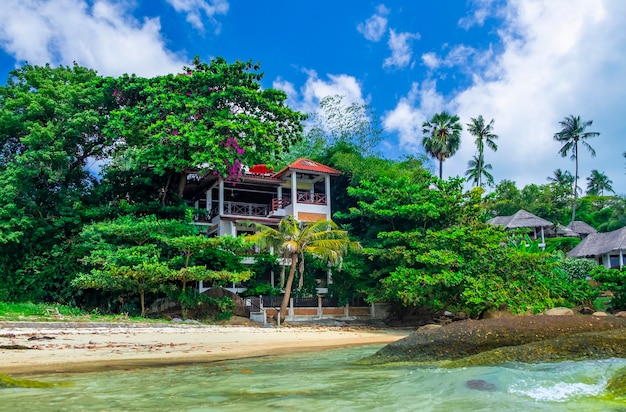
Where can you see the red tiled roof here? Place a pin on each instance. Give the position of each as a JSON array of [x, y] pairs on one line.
[[307, 165]]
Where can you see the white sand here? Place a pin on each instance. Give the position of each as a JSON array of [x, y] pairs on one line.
[[102, 348]]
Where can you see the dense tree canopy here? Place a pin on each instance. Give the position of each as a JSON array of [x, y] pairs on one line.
[[214, 117]]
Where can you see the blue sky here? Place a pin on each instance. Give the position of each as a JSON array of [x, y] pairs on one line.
[[525, 63]]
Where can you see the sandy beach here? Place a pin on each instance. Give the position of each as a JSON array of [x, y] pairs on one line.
[[81, 348]]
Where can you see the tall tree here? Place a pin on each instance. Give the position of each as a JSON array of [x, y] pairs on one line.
[[322, 239], [442, 137], [598, 182], [476, 169], [484, 135], [562, 178], [572, 133], [215, 117], [51, 130]]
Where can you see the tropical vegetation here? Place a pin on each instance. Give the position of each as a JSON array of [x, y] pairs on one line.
[[92, 217]]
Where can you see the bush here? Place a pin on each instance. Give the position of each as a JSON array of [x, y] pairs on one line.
[[615, 281], [577, 268]]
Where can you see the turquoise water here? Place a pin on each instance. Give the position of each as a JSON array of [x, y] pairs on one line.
[[324, 381]]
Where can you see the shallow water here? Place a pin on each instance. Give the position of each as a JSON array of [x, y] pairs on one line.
[[325, 381]]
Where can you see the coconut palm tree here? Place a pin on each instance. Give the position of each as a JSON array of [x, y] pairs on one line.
[[598, 182], [572, 133], [322, 239], [484, 135], [476, 169], [563, 179], [442, 137]]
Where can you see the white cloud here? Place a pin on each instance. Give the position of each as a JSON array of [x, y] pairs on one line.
[[431, 60], [104, 36], [481, 10], [559, 58], [401, 52], [194, 9], [316, 88], [411, 112], [374, 27]]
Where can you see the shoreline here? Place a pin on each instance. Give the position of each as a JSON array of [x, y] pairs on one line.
[[61, 348]]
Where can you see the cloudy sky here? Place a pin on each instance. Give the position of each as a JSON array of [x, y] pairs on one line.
[[525, 63]]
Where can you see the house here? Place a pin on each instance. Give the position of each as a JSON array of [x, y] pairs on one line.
[[581, 229], [608, 249], [301, 189], [524, 220]]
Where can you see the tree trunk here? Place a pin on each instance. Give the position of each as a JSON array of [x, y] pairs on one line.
[[181, 183], [440, 168], [575, 181], [142, 299], [292, 273]]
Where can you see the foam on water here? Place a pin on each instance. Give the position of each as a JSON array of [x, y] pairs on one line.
[[557, 392]]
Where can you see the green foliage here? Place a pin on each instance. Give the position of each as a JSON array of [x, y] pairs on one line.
[[578, 268], [255, 288], [144, 254], [564, 244], [205, 120], [322, 239], [613, 280], [429, 248], [51, 126]]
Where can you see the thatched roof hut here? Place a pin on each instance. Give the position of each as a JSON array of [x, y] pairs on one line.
[[608, 248], [581, 228], [521, 219]]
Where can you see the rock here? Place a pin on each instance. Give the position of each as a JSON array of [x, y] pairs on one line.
[[621, 314], [447, 314], [599, 313], [460, 316], [428, 327], [470, 337], [480, 385], [496, 314], [559, 312], [586, 311], [578, 346], [177, 320]]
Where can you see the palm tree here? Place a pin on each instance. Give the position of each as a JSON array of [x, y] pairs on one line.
[[484, 135], [563, 179], [598, 182], [323, 239], [442, 137], [573, 132], [476, 169]]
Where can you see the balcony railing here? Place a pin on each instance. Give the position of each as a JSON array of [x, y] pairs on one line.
[[245, 209], [312, 198], [280, 203]]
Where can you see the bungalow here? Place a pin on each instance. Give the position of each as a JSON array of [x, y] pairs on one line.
[[524, 220], [608, 249], [581, 229]]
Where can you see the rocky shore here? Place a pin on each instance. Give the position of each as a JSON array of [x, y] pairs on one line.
[[539, 338]]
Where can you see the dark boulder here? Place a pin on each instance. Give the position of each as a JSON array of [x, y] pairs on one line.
[[579, 346], [466, 338]]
